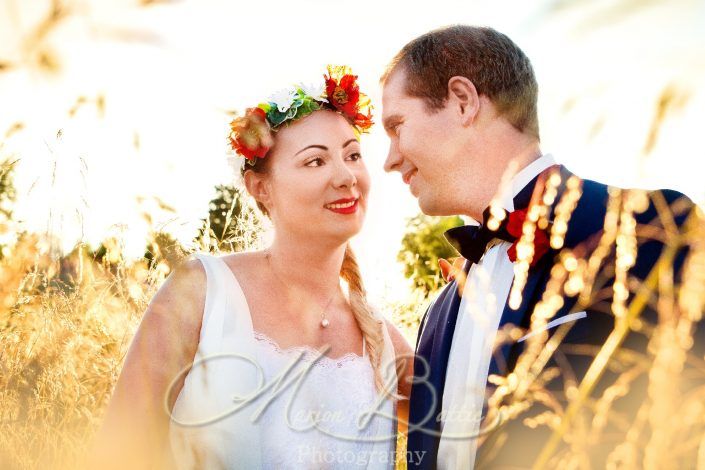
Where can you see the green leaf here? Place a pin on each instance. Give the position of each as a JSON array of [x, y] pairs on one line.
[[422, 246]]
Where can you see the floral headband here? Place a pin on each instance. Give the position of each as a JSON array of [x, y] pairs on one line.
[[251, 134]]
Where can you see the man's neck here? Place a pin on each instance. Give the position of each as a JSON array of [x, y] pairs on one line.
[[515, 173]]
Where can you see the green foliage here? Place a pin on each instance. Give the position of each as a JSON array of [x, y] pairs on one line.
[[7, 188], [232, 225], [307, 106], [422, 246], [164, 246], [7, 198], [302, 106]]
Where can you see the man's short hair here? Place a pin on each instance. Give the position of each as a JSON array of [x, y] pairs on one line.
[[488, 58]]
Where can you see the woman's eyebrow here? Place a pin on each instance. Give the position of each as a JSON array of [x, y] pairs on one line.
[[349, 142], [321, 147]]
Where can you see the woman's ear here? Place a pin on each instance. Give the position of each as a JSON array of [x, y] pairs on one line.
[[462, 94], [256, 185]]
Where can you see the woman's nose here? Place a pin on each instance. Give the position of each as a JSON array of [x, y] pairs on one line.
[[344, 177]]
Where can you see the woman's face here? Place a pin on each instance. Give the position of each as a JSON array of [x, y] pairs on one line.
[[317, 183]]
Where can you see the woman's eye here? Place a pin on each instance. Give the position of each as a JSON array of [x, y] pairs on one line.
[[318, 161], [355, 156]]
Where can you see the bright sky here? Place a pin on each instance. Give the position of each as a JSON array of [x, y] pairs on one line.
[[169, 70]]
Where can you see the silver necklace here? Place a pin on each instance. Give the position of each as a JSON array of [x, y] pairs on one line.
[[324, 319]]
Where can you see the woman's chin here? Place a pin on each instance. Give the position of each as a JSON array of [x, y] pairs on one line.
[[344, 231]]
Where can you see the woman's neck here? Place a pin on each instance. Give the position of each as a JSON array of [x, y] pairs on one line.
[[306, 266]]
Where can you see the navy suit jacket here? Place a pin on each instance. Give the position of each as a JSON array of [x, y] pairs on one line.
[[435, 335]]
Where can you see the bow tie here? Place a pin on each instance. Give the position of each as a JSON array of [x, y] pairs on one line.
[[471, 240]]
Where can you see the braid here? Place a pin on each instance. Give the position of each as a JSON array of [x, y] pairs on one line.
[[370, 326]]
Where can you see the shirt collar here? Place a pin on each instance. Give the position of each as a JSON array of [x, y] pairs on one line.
[[524, 177]]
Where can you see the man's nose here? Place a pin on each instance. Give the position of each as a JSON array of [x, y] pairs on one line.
[[394, 159]]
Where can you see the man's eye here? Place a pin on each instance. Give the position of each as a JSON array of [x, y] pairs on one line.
[[318, 161]]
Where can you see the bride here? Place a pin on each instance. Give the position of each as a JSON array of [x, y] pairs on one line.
[[263, 359]]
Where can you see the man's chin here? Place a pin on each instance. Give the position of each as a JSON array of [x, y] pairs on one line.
[[432, 207]]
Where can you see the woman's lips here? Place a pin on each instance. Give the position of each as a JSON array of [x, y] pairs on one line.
[[343, 207]]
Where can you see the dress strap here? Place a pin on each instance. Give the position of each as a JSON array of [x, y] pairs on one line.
[[214, 308], [364, 351]]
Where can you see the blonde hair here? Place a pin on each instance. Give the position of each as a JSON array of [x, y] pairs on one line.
[[371, 327]]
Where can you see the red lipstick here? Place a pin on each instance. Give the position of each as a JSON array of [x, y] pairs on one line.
[[343, 206]]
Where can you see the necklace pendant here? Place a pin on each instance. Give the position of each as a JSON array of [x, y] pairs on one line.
[[325, 323]]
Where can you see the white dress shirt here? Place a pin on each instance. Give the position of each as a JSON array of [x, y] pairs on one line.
[[483, 300]]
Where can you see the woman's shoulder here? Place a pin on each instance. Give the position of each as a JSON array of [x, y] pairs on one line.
[[243, 263], [183, 292]]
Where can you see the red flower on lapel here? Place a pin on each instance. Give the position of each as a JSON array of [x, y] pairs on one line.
[[515, 223]]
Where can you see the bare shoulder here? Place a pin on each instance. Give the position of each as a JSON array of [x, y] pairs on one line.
[[171, 325], [243, 263], [183, 292]]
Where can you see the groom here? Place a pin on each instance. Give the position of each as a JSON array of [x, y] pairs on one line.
[[460, 109]]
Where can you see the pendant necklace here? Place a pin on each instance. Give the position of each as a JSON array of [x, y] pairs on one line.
[[324, 319]]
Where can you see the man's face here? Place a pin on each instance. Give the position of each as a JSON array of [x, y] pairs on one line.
[[424, 145]]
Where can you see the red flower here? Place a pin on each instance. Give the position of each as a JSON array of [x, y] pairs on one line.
[[343, 94], [514, 227], [363, 122], [250, 134]]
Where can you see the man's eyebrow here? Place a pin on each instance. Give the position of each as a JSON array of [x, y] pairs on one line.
[[389, 121], [322, 147]]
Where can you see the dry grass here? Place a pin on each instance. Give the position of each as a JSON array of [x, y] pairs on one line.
[[65, 326], [66, 323]]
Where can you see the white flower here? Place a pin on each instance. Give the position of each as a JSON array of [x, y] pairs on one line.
[[283, 99], [317, 92]]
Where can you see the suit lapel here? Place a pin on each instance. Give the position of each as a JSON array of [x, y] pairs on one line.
[[586, 220], [430, 370]]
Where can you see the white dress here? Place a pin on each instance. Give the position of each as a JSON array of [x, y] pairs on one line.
[[248, 404]]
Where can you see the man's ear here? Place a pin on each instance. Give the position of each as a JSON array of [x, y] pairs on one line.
[[256, 185], [462, 94]]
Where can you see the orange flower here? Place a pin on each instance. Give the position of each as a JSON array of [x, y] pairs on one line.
[[250, 135]]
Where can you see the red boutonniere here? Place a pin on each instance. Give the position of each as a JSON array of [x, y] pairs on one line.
[[250, 134], [515, 223]]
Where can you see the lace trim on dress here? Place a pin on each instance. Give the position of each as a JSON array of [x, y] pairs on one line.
[[309, 353]]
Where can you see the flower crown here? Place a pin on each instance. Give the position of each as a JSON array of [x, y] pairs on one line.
[[251, 134]]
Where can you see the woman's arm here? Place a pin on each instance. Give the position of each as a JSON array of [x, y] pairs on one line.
[[135, 428]]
